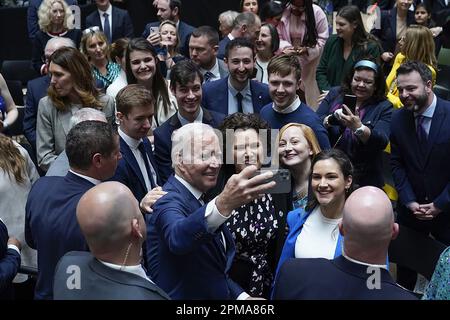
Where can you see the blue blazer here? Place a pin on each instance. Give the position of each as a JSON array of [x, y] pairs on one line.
[[222, 46], [121, 23], [184, 34], [184, 259], [215, 95], [51, 225], [296, 219], [129, 173], [163, 140], [422, 176], [337, 279], [367, 158], [36, 90], [9, 264]]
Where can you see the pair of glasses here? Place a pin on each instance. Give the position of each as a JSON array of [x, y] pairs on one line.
[[91, 30]]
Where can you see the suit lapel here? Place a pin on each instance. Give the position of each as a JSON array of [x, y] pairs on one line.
[[129, 157], [256, 98], [439, 118], [149, 152]]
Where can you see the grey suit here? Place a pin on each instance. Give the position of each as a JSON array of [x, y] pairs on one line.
[[223, 69], [54, 125], [99, 282]]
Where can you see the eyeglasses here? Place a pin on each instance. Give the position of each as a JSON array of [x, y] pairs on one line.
[[91, 30]]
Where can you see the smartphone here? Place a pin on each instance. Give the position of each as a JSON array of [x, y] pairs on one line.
[[154, 30], [350, 102], [282, 177]]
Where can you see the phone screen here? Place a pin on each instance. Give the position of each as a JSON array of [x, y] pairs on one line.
[[350, 102]]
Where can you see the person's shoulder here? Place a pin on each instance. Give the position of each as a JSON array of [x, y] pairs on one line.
[[259, 85], [213, 85]]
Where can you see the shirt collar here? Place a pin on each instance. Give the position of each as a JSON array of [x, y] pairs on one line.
[[131, 142], [363, 263], [185, 121], [108, 11], [230, 36], [90, 179], [195, 192], [214, 70], [429, 112], [244, 92], [291, 108], [137, 270]]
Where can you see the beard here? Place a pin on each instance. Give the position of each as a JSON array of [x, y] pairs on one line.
[[417, 103]]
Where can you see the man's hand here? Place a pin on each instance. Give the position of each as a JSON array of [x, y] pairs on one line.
[[387, 56], [428, 211], [15, 242], [154, 39], [242, 188], [150, 198]]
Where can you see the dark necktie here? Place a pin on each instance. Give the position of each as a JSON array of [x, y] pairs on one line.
[[141, 148], [239, 98], [422, 135], [106, 27], [207, 77]]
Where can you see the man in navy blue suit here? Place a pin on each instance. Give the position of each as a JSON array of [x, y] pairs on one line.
[[237, 92], [50, 219], [284, 81], [186, 85], [420, 157], [37, 89], [190, 249], [9, 262], [367, 228], [137, 169], [119, 22], [169, 10]]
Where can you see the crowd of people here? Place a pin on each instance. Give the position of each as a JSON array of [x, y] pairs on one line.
[[152, 159]]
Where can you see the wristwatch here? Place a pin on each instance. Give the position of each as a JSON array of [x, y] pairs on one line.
[[359, 131]]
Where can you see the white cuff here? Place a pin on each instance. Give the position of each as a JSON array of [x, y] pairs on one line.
[[11, 246], [214, 219], [243, 296]]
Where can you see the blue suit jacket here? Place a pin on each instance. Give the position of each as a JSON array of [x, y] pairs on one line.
[[184, 33], [215, 95], [9, 264], [36, 90], [163, 140], [121, 23], [129, 173], [51, 225], [422, 176], [222, 46], [335, 279], [184, 259]]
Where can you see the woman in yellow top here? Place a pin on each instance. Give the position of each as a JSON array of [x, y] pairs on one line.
[[417, 44]]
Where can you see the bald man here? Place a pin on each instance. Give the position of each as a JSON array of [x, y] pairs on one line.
[[361, 272], [111, 221]]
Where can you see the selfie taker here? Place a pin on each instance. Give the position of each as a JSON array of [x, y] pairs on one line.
[[357, 116], [189, 249]]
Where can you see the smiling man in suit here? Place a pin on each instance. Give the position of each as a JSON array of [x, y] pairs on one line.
[[114, 22], [237, 92]]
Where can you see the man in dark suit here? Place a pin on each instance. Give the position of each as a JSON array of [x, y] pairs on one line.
[[9, 262], [420, 157], [170, 10], [114, 228], [246, 25], [137, 169], [37, 89], [237, 92], [190, 250], [50, 222], [118, 23], [203, 46], [361, 272], [186, 85], [284, 81]]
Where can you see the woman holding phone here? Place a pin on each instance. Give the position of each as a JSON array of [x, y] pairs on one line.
[[357, 116]]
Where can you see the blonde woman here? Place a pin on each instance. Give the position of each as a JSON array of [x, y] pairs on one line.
[[418, 45], [55, 20], [95, 46]]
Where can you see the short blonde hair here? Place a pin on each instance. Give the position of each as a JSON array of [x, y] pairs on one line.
[[44, 15]]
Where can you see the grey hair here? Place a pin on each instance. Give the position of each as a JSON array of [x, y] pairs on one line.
[[60, 42], [85, 114], [228, 17]]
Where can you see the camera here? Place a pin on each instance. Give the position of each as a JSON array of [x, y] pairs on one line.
[[333, 121]]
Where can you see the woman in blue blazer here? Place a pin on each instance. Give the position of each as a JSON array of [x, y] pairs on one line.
[[360, 125], [314, 231]]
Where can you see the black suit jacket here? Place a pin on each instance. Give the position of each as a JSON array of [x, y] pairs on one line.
[[120, 20], [334, 280]]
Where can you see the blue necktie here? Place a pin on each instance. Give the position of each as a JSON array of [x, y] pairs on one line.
[[207, 77], [106, 27], [141, 148], [422, 135], [239, 98]]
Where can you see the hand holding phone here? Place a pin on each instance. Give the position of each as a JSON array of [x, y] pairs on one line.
[[282, 178], [350, 102]]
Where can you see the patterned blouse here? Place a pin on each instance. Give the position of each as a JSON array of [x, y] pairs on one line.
[[439, 286], [112, 72], [254, 227]]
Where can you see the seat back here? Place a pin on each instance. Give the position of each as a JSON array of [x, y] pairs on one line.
[[21, 70], [15, 89], [416, 251]]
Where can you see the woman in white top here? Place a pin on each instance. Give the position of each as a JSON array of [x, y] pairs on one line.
[[267, 44], [314, 232]]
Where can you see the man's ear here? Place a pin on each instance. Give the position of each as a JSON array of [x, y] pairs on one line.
[[135, 228], [341, 228], [395, 231], [175, 12], [96, 160], [215, 49]]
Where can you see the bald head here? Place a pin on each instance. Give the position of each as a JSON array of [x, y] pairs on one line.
[[106, 214], [368, 221]]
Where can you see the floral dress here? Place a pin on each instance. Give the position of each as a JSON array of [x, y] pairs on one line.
[[254, 228]]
